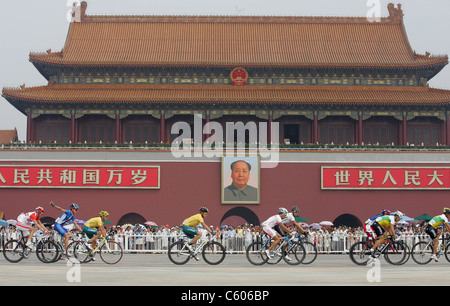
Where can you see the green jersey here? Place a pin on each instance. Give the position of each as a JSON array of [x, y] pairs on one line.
[[438, 221]]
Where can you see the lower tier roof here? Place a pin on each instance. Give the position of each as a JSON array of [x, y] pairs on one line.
[[224, 95]]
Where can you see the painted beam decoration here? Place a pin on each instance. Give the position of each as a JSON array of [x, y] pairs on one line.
[[385, 178], [80, 176]]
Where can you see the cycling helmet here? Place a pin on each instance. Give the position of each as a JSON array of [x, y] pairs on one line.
[[39, 209], [73, 205], [385, 212], [446, 210], [295, 209], [399, 214], [204, 210], [282, 211], [104, 213]]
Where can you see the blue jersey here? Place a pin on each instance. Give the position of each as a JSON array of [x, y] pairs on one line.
[[370, 221], [65, 217]]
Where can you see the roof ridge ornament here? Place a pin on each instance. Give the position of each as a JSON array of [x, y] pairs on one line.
[[78, 11], [395, 14]]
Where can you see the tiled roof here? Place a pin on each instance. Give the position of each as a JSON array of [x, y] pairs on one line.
[[237, 41], [148, 94], [8, 136]]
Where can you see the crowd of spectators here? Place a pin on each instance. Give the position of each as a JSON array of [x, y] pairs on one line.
[[328, 239]]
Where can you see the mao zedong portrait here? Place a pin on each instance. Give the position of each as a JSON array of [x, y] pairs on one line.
[[239, 190]]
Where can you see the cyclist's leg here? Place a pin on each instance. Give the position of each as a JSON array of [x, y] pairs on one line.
[[431, 231], [192, 233], [273, 235], [282, 234], [63, 232], [379, 234], [26, 230], [92, 234]]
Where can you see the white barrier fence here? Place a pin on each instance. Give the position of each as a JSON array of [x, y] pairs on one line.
[[326, 244]]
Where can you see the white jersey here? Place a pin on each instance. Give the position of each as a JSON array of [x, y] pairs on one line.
[[289, 218], [27, 218], [272, 221]]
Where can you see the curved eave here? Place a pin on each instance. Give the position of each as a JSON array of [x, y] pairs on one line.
[[437, 62], [219, 95]]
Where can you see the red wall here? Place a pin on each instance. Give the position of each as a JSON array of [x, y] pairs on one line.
[[185, 186]]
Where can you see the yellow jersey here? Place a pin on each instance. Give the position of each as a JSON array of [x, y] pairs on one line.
[[385, 221], [193, 221], [94, 222]]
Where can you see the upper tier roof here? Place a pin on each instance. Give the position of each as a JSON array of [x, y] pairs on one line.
[[238, 41]]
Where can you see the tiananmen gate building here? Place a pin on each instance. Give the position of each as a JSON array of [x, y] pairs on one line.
[[323, 80]]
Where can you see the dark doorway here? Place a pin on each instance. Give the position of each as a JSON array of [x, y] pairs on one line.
[[47, 221], [131, 218], [347, 220], [246, 214], [292, 132]]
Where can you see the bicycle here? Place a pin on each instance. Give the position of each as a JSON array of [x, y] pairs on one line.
[[110, 251], [46, 250], [213, 252], [310, 249], [395, 252], [422, 251], [256, 251]]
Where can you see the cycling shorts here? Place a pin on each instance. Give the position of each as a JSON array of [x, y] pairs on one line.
[[191, 232], [90, 232], [60, 229], [269, 231], [278, 229], [431, 231], [377, 229], [369, 231], [24, 228]]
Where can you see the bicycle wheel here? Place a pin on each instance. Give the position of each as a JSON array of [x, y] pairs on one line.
[[311, 253], [295, 255], [47, 251], [277, 255], [14, 251], [213, 253], [111, 252], [79, 251], [421, 252], [447, 252], [178, 253], [360, 252], [255, 253], [396, 253]]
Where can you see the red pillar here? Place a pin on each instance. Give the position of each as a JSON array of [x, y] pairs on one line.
[[162, 129], [269, 129], [117, 129], [315, 129], [404, 131], [360, 130], [447, 132], [72, 129], [29, 128]]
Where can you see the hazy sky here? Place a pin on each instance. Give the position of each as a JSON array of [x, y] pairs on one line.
[[35, 26]]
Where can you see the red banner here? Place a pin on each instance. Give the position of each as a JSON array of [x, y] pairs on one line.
[[84, 176], [379, 178]]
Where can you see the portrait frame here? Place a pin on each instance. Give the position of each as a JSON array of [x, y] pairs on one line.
[[229, 193]]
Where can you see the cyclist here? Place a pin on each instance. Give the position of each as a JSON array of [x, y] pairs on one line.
[[369, 222], [268, 228], [64, 220], [91, 225], [382, 227], [25, 223], [435, 223], [190, 224], [290, 217]]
